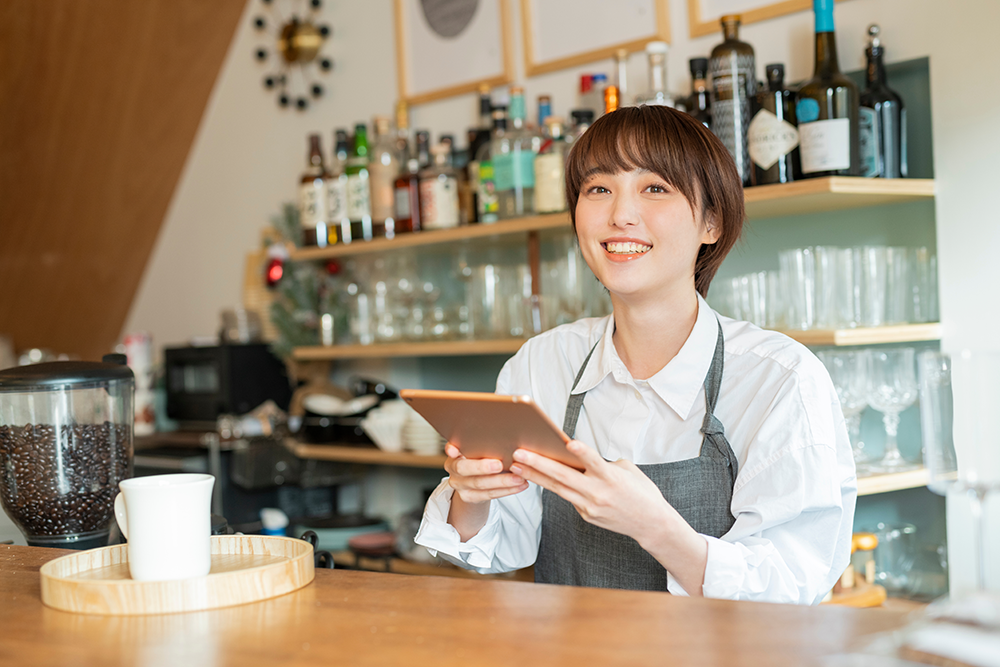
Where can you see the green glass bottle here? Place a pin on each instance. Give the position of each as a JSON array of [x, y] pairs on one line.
[[359, 204]]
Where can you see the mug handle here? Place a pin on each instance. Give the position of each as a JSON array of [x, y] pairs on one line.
[[121, 514]]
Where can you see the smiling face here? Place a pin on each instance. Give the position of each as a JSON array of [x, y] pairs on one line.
[[640, 235], [656, 201]]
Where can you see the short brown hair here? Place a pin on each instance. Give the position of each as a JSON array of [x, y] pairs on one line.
[[680, 150]]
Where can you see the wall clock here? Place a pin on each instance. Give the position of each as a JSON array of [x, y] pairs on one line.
[[293, 52]]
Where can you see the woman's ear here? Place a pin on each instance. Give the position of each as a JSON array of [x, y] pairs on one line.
[[713, 229]]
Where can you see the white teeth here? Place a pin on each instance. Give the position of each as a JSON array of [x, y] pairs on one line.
[[628, 248]]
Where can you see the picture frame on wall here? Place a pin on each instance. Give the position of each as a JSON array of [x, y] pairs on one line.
[[704, 15], [555, 30], [446, 48]]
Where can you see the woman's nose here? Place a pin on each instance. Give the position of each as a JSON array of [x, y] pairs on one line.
[[624, 212]]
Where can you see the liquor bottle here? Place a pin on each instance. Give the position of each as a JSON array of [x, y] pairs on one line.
[[439, 192], [479, 137], [733, 86], [827, 109], [582, 119], [423, 148], [514, 162], [544, 110], [656, 52], [772, 138], [383, 168], [404, 141], [550, 169], [699, 102], [336, 191], [594, 98], [359, 206], [621, 76], [406, 204], [486, 196], [882, 119], [312, 197]]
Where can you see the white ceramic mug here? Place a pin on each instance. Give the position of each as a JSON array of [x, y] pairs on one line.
[[167, 520]]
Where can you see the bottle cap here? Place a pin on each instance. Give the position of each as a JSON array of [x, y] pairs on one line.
[[731, 18], [484, 89], [621, 54], [381, 124], [516, 90], [698, 65], [873, 36], [657, 47]]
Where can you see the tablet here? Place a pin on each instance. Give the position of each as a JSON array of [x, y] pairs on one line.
[[483, 425]]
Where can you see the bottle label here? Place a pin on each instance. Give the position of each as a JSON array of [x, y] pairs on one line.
[[359, 204], [770, 138], [550, 186], [312, 203], [514, 170], [825, 145], [336, 198], [402, 205], [488, 204], [870, 144], [439, 202], [381, 174]]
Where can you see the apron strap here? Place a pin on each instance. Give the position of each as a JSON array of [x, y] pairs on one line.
[[575, 402], [711, 427]]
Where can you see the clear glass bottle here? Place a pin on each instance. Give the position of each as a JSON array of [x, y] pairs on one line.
[[359, 207], [336, 191], [383, 168], [514, 162], [772, 137], [657, 94], [699, 102], [550, 169], [582, 119], [486, 196], [882, 119], [439, 192], [313, 198], [734, 83], [827, 108]]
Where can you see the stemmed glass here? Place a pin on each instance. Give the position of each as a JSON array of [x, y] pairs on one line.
[[892, 387], [849, 372], [959, 423]]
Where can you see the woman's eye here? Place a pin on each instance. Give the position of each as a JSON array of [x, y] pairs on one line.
[[598, 190], [659, 189]]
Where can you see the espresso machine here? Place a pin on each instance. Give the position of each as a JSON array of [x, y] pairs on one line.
[[65, 443]]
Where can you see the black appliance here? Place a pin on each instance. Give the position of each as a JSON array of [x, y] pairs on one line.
[[205, 382]]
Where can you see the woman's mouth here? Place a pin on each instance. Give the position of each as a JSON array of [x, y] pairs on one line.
[[626, 248]]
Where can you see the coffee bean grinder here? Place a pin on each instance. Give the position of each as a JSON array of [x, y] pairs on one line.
[[65, 443]]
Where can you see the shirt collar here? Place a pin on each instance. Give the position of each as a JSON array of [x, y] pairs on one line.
[[680, 382]]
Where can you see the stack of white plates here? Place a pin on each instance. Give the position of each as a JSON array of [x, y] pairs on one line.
[[420, 437], [384, 424]]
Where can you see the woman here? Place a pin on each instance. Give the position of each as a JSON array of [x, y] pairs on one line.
[[717, 459]]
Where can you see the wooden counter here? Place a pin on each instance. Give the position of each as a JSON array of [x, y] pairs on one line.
[[360, 618]]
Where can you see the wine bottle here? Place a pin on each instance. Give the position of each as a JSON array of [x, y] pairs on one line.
[[882, 119], [772, 138], [698, 103], [733, 86], [827, 108], [359, 205], [312, 198]]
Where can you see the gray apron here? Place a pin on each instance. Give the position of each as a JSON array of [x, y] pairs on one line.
[[576, 553]]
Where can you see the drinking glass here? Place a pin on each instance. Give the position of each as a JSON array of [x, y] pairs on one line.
[[892, 387], [871, 272], [959, 422], [899, 286], [834, 285], [923, 267], [849, 372], [798, 269]]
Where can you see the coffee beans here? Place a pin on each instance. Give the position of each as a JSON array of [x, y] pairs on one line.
[[63, 481]]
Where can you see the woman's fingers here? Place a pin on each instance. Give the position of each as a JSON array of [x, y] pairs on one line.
[[561, 489]]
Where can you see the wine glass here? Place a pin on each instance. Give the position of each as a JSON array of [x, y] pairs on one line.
[[892, 387], [959, 423], [848, 370]]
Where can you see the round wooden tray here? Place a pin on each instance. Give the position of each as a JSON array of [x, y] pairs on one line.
[[245, 568]]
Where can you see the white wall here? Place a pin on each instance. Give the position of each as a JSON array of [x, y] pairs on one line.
[[248, 153]]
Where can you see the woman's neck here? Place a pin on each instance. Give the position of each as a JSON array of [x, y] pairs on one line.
[[648, 335]]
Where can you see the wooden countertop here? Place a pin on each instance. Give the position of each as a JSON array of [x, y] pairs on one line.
[[362, 618]]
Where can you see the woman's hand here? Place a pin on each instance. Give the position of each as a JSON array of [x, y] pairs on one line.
[[479, 480], [476, 483]]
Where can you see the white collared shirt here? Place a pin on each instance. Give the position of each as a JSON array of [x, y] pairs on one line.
[[796, 485]]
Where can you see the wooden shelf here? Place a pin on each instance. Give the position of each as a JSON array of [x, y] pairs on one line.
[[765, 201], [911, 479], [903, 333], [534, 223], [900, 333], [833, 193], [429, 349], [364, 454]]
